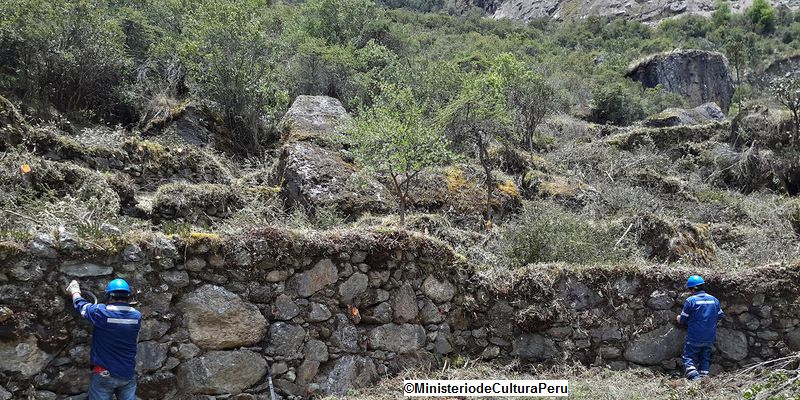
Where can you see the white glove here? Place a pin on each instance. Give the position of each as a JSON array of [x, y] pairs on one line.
[[73, 288]]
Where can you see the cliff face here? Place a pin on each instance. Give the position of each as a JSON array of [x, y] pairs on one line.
[[329, 312], [646, 11]]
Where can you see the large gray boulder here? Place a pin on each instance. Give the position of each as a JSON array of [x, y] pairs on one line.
[[309, 282], [23, 356], [656, 346], [314, 118], [218, 319], [732, 344], [397, 338], [311, 176], [221, 372], [350, 372], [697, 75]]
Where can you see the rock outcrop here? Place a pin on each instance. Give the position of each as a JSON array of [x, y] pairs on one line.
[[312, 177], [218, 319], [318, 119], [699, 76], [649, 11]]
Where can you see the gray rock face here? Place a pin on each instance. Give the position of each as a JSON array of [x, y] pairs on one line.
[[85, 269], [438, 291], [397, 338], [152, 329], [221, 372], [284, 308], [150, 356], [286, 339], [533, 346], [656, 346], [404, 304], [312, 177], [793, 339], [660, 301], [318, 313], [309, 282], [699, 76], [350, 372], [24, 357], [313, 118], [219, 319], [577, 295], [732, 344], [42, 246], [4, 394], [352, 287], [345, 334], [316, 350]]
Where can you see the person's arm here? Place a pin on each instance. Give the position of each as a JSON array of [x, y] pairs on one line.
[[684, 315], [720, 314], [81, 305]]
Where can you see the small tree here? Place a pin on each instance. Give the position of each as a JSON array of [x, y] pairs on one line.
[[393, 138], [736, 50], [787, 91], [762, 16], [478, 116], [531, 100]]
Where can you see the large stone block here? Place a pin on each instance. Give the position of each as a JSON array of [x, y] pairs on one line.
[[286, 339], [404, 304], [732, 344], [221, 372], [309, 282], [350, 372], [24, 357], [397, 338], [533, 346], [218, 319], [438, 291], [656, 346], [150, 356]]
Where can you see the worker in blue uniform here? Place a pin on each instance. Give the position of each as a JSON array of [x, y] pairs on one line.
[[701, 313], [116, 328]]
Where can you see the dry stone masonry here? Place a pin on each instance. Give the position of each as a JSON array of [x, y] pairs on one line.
[[331, 312]]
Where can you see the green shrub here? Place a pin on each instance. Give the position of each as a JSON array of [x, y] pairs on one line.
[[762, 16], [617, 103], [544, 232]]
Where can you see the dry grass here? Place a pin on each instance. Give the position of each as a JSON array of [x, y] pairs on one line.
[[594, 383]]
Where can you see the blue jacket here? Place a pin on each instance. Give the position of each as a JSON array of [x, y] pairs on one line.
[[701, 313], [116, 328]]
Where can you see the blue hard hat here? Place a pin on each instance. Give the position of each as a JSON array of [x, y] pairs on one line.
[[118, 285], [694, 280]]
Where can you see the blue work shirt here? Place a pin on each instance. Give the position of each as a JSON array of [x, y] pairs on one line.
[[116, 328], [701, 313]]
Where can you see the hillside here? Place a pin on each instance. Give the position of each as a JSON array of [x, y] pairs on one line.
[[529, 195]]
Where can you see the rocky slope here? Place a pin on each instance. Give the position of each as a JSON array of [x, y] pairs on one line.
[[646, 11]]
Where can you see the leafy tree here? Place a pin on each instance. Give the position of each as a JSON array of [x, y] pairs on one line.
[[787, 91], [393, 138], [230, 53], [479, 116], [761, 16], [339, 22], [736, 49]]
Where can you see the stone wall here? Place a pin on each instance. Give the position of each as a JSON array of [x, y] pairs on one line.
[[335, 311]]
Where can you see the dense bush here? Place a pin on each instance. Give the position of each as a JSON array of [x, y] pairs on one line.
[[544, 232]]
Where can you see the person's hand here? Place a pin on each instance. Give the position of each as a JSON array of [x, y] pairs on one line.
[[678, 319], [73, 288]]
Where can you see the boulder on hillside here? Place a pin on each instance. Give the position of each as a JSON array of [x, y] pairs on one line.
[[702, 114], [313, 118], [699, 76], [311, 176]]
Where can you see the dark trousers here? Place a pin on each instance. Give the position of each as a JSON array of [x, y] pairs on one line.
[[697, 358]]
